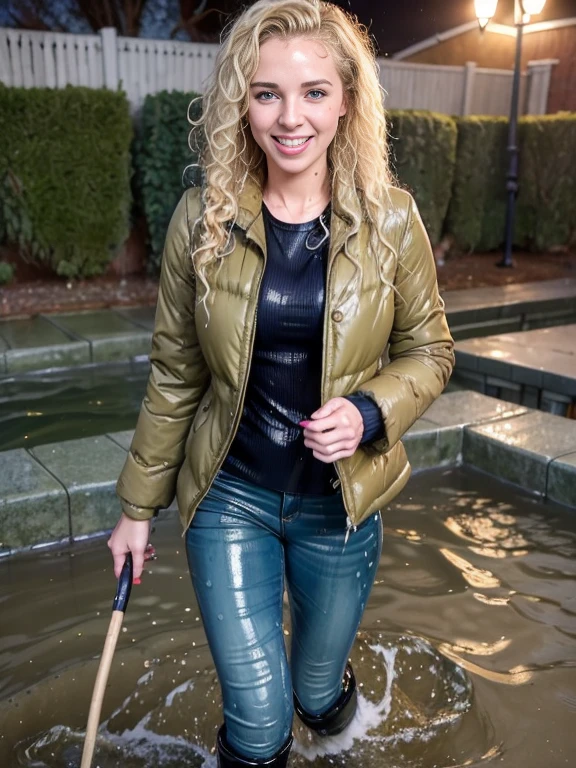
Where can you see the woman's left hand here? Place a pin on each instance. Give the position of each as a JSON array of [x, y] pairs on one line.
[[334, 430]]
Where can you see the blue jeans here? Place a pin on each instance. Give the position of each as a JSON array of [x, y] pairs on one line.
[[243, 542]]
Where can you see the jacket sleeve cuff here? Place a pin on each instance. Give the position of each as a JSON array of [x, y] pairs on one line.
[[371, 416], [137, 513]]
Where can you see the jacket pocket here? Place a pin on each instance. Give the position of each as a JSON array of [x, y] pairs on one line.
[[203, 411]]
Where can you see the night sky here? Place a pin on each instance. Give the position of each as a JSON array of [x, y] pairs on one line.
[[397, 24]]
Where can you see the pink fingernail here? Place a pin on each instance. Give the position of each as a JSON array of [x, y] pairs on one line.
[[137, 581], [304, 423]]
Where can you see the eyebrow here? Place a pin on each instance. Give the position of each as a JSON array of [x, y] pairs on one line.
[[309, 84]]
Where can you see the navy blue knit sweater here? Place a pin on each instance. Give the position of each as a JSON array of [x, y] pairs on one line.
[[286, 372]]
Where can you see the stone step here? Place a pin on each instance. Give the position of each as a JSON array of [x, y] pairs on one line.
[[66, 491], [535, 368]]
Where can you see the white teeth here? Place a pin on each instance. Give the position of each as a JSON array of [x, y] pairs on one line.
[[291, 142]]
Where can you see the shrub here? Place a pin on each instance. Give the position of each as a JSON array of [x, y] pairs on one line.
[[477, 211], [546, 209], [423, 155], [546, 177], [64, 175], [6, 272], [161, 155]]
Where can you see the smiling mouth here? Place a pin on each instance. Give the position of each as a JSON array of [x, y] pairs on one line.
[[291, 142]]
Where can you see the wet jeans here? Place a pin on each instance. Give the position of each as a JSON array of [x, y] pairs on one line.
[[243, 543]]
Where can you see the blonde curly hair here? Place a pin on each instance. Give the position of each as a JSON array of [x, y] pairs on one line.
[[357, 157]]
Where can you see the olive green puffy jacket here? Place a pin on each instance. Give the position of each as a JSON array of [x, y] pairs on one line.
[[200, 363]]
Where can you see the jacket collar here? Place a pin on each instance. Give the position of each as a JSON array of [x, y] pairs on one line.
[[251, 221]]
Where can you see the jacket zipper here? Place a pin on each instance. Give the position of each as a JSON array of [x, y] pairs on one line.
[[349, 524], [240, 409]]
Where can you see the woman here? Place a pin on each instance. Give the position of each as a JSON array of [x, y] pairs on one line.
[[281, 436]]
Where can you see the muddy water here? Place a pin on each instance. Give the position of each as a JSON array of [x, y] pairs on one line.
[[466, 657], [64, 404]]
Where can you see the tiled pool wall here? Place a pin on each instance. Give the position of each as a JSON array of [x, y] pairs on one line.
[[66, 491]]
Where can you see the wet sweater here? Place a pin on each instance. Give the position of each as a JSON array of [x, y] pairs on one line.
[[284, 385]]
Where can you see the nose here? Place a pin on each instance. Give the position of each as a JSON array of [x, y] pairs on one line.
[[290, 114]]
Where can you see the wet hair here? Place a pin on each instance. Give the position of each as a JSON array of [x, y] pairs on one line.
[[357, 157]]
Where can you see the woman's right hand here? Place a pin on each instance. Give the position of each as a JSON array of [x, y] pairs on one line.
[[129, 536]]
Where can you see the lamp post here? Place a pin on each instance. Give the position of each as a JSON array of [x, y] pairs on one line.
[[523, 9]]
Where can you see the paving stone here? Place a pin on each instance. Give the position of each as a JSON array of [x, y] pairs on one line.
[[88, 468], [520, 449], [562, 480], [462, 408], [422, 425], [111, 336], [123, 439], [31, 332], [479, 305], [141, 316], [35, 343], [543, 358], [33, 505], [427, 445]]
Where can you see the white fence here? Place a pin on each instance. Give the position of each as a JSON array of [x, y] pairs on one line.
[[137, 65], [140, 67], [467, 90]]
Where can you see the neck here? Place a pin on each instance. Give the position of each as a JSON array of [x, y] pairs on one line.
[[297, 197]]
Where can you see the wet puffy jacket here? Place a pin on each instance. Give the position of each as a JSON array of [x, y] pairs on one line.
[[200, 362]]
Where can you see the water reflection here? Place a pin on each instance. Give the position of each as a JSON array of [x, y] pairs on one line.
[[482, 575], [409, 694]]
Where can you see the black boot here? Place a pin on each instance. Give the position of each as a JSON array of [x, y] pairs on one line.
[[338, 716], [227, 758]]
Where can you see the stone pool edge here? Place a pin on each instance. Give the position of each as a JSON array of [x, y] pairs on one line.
[[120, 333], [71, 485]]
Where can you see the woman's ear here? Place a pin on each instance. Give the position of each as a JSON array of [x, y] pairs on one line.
[[343, 107]]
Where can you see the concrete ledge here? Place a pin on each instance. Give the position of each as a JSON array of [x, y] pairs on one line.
[[436, 439], [562, 480], [536, 368], [87, 469], [122, 333], [74, 338], [521, 449], [33, 504], [67, 490], [503, 309]]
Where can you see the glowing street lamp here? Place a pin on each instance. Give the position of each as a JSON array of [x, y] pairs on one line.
[[523, 9], [533, 7], [485, 9]]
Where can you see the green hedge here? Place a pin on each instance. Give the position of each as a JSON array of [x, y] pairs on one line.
[[477, 211], [161, 155], [546, 210], [6, 272], [65, 175], [423, 155]]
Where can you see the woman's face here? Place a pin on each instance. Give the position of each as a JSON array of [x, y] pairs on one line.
[[296, 99]]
